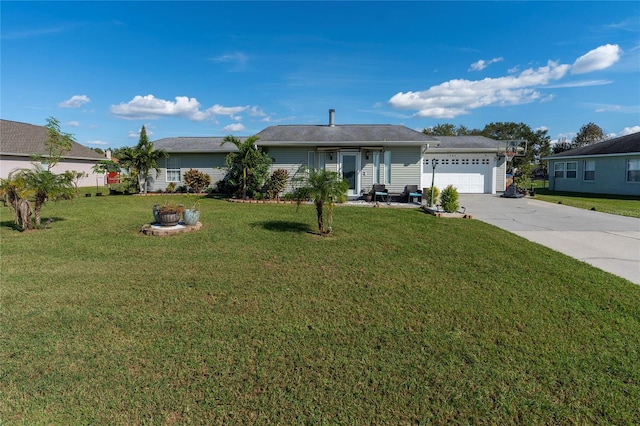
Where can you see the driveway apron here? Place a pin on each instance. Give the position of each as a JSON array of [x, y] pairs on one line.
[[606, 241]]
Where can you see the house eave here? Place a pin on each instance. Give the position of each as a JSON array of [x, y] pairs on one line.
[[574, 157], [345, 144]]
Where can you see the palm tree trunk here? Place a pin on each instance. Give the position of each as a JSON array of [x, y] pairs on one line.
[[36, 209], [23, 213], [320, 213]]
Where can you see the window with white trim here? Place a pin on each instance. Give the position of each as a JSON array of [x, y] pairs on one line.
[[633, 170], [572, 170], [558, 170], [173, 169], [589, 170]]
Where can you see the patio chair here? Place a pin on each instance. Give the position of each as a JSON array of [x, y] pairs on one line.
[[411, 192], [379, 190]]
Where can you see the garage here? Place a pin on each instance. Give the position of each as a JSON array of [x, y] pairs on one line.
[[469, 173]]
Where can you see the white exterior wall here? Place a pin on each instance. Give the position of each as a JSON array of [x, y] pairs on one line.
[[10, 163], [467, 172]]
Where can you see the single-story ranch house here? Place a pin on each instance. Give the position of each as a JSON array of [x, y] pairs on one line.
[[20, 141], [364, 155], [609, 167]]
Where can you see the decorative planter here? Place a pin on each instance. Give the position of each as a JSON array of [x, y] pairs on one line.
[[156, 213], [168, 219], [191, 217]]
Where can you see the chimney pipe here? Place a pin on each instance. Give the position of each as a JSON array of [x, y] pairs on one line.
[[332, 113]]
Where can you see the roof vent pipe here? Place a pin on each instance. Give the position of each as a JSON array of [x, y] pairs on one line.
[[332, 113]]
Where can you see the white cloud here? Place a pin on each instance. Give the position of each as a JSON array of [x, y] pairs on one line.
[[630, 130], [150, 108], [75, 101], [482, 64], [237, 59], [237, 127], [98, 143], [73, 124], [597, 59], [456, 97], [257, 112]]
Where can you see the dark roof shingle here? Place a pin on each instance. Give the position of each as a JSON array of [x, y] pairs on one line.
[[620, 145], [25, 139], [340, 134], [195, 145]]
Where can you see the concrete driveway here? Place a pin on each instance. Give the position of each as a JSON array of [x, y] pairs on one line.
[[606, 241]]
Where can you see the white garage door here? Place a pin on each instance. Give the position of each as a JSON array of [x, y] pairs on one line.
[[468, 173]]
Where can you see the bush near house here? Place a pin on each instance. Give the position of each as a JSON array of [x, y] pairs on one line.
[[449, 199], [196, 180]]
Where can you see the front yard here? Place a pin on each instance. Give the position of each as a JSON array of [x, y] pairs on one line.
[[397, 317]]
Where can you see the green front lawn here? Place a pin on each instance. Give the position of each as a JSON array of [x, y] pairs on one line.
[[397, 317], [614, 204]]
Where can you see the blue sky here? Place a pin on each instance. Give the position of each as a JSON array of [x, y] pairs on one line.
[[104, 69]]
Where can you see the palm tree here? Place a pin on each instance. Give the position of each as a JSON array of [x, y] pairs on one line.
[[145, 159], [44, 185], [141, 159], [325, 189], [250, 160], [15, 194]]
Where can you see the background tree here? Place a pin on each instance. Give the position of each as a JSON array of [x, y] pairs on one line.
[[447, 129], [248, 168], [538, 142], [57, 144], [561, 146], [74, 177], [587, 135], [324, 188], [141, 159]]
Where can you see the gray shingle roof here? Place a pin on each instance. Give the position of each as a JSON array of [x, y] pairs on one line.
[[621, 145], [362, 135], [195, 145], [467, 142], [24, 139]]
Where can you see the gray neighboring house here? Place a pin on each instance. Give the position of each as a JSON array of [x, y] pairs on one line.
[[20, 141], [609, 167], [364, 155], [206, 154]]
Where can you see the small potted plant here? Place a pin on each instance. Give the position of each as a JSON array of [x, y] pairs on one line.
[[192, 214], [366, 195], [169, 214]]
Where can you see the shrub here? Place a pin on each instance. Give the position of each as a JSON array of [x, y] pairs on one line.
[[276, 183], [449, 199], [426, 195], [196, 180], [171, 187]]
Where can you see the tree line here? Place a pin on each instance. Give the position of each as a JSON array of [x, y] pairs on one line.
[[538, 141]]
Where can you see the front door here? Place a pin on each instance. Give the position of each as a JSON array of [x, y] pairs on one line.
[[350, 170]]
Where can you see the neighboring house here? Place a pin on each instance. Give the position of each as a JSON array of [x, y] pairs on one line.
[[206, 154], [364, 155], [609, 167], [19, 142]]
